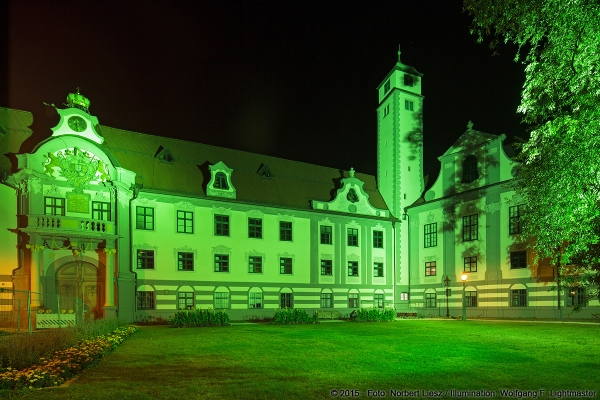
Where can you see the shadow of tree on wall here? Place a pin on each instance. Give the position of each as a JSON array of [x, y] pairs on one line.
[[415, 136], [466, 196]]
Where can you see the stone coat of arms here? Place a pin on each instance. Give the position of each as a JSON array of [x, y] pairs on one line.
[[78, 167]]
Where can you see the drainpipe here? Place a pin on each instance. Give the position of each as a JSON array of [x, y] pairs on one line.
[[136, 190], [394, 262], [408, 253]]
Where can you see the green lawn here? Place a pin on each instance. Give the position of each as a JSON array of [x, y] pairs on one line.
[[307, 362]]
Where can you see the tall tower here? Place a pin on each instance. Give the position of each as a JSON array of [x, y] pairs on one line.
[[399, 137], [400, 160]]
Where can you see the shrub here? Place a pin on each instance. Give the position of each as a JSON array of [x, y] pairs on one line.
[[373, 315], [198, 317], [287, 316], [23, 350], [62, 364]]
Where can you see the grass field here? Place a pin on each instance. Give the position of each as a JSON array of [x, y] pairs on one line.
[[308, 361]]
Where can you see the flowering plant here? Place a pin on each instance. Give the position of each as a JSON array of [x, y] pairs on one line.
[[65, 363]]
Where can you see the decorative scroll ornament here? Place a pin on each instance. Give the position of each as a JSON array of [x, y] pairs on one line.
[[78, 167]]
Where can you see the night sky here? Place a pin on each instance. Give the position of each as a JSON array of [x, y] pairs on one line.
[[287, 79]]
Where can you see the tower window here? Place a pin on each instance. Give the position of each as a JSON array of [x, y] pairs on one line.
[[386, 87], [409, 80], [470, 172], [386, 110], [409, 105]]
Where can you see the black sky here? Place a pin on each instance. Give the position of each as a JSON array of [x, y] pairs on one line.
[[288, 79]]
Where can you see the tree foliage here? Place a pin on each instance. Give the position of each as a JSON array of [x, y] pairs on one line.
[[559, 176]]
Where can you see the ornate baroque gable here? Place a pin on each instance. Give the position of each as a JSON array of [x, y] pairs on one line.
[[350, 198]]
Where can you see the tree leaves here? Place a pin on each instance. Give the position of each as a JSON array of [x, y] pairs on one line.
[[559, 178]]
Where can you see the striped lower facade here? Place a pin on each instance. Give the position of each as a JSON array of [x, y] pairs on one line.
[[506, 299], [159, 300]]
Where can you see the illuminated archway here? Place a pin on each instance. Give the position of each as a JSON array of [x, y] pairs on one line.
[[80, 285]]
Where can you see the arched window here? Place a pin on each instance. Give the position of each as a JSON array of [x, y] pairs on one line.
[[220, 181], [185, 298], [430, 298], [470, 172], [221, 298], [255, 298]]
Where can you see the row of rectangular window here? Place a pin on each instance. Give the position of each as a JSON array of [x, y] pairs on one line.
[[185, 262], [57, 206], [518, 260], [327, 236], [185, 224], [145, 220], [470, 227], [146, 300]]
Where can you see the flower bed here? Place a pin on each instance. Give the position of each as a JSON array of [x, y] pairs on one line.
[[65, 363]]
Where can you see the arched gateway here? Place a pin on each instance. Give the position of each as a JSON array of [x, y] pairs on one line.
[[81, 284]]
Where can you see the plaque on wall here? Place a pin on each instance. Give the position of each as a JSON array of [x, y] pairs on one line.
[[78, 203]]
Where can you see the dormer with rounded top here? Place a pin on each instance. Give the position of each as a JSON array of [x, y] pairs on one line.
[[76, 119], [220, 181]]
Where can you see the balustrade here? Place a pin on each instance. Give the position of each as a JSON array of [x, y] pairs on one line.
[[67, 223]]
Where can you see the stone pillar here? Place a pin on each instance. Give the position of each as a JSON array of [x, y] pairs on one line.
[[110, 311], [34, 278]]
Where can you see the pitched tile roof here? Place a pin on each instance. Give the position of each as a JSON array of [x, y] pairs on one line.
[[14, 129], [293, 184]]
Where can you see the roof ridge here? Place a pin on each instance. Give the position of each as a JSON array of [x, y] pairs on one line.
[[228, 149]]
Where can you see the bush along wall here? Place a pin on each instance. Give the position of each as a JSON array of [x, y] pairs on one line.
[[198, 317], [288, 316], [373, 315]]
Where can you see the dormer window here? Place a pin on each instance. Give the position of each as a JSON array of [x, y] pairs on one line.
[[220, 181], [409, 80], [164, 155], [469, 167], [264, 172]]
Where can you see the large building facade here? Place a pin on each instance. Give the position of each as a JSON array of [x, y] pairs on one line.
[[100, 222]]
